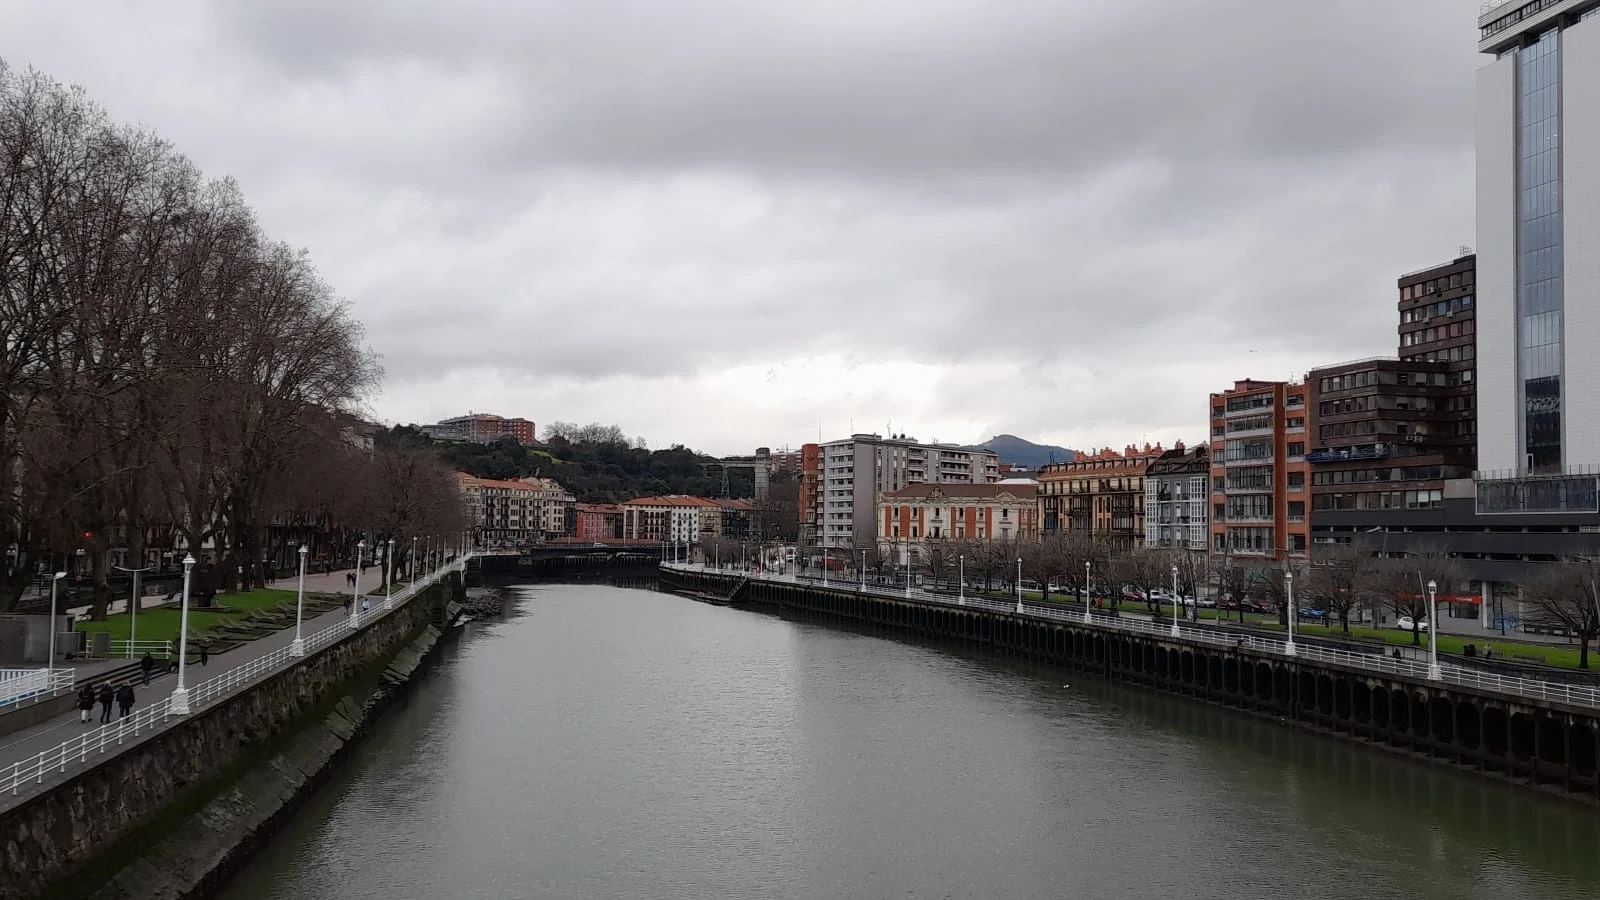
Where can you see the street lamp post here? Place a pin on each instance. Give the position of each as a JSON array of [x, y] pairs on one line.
[[908, 566], [297, 647], [133, 605], [388, 575], [824, 566], [50, 664], [1019, 585], [1088, 569], [355, 592], [179, 703], [1288, 587], [413, 561], [961, 580], [1434, 672], [1175, 601]]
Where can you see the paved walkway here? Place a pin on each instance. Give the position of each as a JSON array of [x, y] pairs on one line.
[[22, 745]]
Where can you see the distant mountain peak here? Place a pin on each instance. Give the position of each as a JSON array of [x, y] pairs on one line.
[[1017, 451]]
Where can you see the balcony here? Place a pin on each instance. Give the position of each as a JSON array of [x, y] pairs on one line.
[[1349, 454]]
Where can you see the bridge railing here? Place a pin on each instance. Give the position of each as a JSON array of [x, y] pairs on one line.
[[1219, 636], [77, 750]]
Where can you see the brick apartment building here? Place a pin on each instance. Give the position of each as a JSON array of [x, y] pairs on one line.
[[481, 428], [528, 509], [1260, 497]]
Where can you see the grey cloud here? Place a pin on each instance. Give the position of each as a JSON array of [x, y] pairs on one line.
[[1102, 195]]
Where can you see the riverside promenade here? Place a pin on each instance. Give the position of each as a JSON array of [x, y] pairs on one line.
[[24, 749]]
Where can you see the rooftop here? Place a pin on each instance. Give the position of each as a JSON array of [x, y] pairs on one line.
[[926, 491]]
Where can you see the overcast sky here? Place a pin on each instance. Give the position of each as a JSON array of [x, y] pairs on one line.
[[728, 223]]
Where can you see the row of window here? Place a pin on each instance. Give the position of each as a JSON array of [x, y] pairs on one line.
[[1442, 308], [1437, 333], [1435, 285], [1430, 499], [1387, 473]]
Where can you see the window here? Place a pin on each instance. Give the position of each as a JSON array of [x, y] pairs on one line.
[[1297, 479], [1297, 422], [1297, 448]]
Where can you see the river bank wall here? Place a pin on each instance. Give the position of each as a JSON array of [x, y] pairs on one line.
[[174, 814], [1538, 742]]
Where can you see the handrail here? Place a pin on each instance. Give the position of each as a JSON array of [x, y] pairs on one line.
[[1450, 673], [77, 749], [17, 685]]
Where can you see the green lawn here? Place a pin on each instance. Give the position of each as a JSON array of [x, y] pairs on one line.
[[1534, 654], [162, 624]]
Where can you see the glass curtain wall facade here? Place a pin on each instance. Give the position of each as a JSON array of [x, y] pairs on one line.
[[1539, 249]]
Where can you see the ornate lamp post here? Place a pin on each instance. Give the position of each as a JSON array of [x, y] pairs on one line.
[[297, 647], [180, 695]]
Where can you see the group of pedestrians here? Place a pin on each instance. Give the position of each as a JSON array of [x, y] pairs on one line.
[[105, 695]]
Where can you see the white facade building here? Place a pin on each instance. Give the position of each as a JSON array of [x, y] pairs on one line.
[[1538, 197], [856, 471]]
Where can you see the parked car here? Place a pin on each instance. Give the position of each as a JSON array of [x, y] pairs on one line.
[[1406, 623]]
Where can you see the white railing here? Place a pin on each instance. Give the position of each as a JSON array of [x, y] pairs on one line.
[[1218, 636], [77, 750], [19, 685], [130, 649]]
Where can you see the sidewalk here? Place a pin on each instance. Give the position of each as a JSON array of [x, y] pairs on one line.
[[30, 742]]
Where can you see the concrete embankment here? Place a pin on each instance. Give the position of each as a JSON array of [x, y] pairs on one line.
[[199, 857], [175, 815]]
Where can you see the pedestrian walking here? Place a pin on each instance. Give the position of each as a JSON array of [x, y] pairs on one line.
[[205, 654], [125, 700], [105, 696], [146, 666], [85, 703], [366, 605], [1488, 650]]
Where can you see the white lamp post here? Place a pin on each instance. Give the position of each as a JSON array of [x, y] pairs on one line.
[[1288, 586], [297, 647], [824, 566], [1434, 672], [50, 664], [388, 577], [1019, 585], [1088, 567], [355, 592], [908, 567], [413, 561], [1175, 601], [961, 580], [179, 704]]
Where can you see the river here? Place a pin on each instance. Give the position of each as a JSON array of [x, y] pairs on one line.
[[611, 743]]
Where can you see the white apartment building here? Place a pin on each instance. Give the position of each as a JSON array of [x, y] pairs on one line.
[[856, 471], [1538, 193]]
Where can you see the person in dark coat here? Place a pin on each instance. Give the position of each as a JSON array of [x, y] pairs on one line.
[[85, 703], [146, 665], [125, 700], [205, 654], [105, 696]]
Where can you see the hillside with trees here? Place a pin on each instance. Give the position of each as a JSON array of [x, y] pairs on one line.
[[597, 463]]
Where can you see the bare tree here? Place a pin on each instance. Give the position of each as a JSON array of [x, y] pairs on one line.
[[1402, 582], [1566, 595]]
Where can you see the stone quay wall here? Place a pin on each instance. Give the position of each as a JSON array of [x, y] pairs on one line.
[[85, 829]]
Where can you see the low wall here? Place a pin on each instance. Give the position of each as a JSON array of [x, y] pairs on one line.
[[56, 835], [199, 857]]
